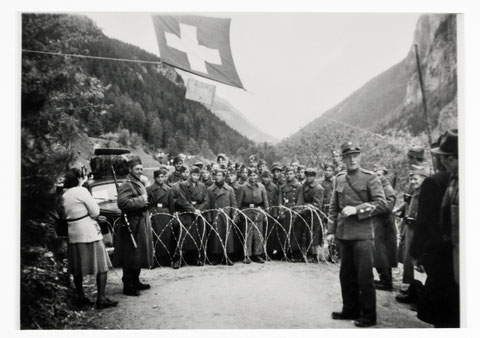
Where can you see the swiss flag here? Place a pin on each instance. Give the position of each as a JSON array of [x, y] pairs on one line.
[[197, 44]]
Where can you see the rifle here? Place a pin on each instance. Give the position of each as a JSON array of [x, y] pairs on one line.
[[125, 218]]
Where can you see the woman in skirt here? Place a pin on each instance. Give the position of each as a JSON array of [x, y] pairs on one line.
[[86, 252]]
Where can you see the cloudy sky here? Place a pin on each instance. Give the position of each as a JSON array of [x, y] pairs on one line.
[[294, 66]]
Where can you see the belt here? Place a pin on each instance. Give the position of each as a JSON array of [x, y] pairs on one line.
[[77, 219], [251, 205]]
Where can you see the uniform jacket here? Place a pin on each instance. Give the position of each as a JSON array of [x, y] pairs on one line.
[[208, 182], [311, 194], [161, 198], [253, 196], [290, 193], [220, 197], [372, 203], [274, 197], [174, 178], [191, 196], [131, 202], [327, 185]]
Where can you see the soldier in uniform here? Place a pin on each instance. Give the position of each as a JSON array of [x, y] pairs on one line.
[[221, 197], [327, 182], [262, 166], [161, 208], [133, 202], [176, 175], [242, 175], [339, 166], [274, 246], [236, 227], [301, 174], [277, 174], [206, 176], [252, 161], [191, 201], [385, 257], [357, 200], [289, 191], [222, 161], [252, 197], [310, 194]]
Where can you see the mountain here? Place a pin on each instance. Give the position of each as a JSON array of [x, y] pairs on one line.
[[235, 119], [392, 100]]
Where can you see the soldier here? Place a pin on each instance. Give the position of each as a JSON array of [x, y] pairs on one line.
[[199, 165], [223, 205], [274, 247], [236, 228], [252, 197], [161, 208], [295, 165], [301, 174], [191, 201], [262, 166], [339, 166], [222, 161], [289, 191], [242, 175], [277, 174], [310, 195], [206, 176], [176, 175], [133, 202], [385, 257], [252, 161], [327, 182], [357, 199]]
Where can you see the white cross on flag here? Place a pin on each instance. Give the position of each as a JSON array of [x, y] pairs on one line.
[[197, 44]]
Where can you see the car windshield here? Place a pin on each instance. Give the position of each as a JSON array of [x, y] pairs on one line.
[[104, 192]]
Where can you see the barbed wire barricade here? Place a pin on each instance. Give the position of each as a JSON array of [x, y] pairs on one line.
[[299, 230]]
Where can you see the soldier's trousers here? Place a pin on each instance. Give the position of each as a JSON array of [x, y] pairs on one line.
[[356, 278], [254, 240]]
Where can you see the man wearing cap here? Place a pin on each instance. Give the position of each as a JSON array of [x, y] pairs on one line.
[[176, 175], [289, 191], [308, 229], [222, 205], [133, 202], [199, 165], [385, 257], [301, 174], [242, 175], [277, 174], [191, 201], [357, 201], [327, 182], [253, 197], [440, 305], [274, 247], [222, 160], [162, 207], [206, 176]]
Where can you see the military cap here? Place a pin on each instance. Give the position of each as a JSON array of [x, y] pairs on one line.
[[199, 164], [159, 172], [252, 170], [221, 155], [266, 173], [350, 147], [419, 171], [416, 151], [194, 170], [183, 168], [311, 171], [133, 161], [301, 167], [177, 159], [260, 162], [448, 143], [288, 168], [277, 166]]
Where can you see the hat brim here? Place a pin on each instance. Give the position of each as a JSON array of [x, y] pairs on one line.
[[351, 152], [438, 151]]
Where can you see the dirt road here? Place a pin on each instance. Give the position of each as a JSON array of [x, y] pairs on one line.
[[274, 295]]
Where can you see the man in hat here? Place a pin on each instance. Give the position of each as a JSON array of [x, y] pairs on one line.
[[162, 207], [222, 160], [191, 201], [327, 182], [385, 257], [301, 174], [271, 228], [307, 228], [440, 306], [222, 205], [199, 165], [133, 202], [242, 175], [252, 197], [277, 174], [357, 201], [176, 175], [289, 191], [206, 176]]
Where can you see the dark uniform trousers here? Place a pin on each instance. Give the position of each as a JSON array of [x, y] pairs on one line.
[[356, 278]]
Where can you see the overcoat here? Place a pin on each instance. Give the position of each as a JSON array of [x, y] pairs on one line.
[[162, 206], [308, 230], [131, 202], [221, 203], [289, 191]]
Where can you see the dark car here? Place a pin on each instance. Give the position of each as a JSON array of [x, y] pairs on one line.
[[101, 184]]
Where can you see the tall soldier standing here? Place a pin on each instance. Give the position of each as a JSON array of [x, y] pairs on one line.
[[176, 176], [357, 199], [133, 202], [289, 191], [271, 228]]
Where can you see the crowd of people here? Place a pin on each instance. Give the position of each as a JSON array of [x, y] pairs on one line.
[[229, 212]]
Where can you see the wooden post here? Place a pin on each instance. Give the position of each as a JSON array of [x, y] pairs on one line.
[[424, 101]]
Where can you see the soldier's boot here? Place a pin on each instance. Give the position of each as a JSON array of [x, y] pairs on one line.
[[128, 283], [136, 282]]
